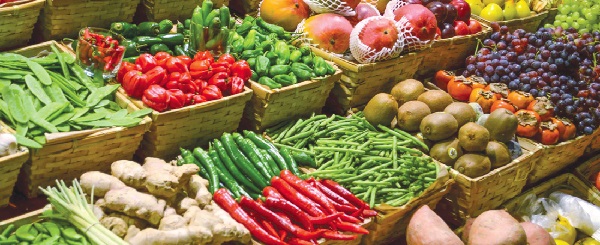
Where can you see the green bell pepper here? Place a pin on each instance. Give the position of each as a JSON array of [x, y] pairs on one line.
[[269, 83], [262, 65], [283, 53], [279, 70], [148, 29], [284, 80], [160, 47], [127, 30], [165, 26]]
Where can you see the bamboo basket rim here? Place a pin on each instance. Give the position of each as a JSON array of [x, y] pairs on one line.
[[357, 67], [26, 217], [584, 166], [266, 90], [535, 17], [15, 7], [544, 147]]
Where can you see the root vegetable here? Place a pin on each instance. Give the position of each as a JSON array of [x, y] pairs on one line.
[[101, 183], [116, 225], [136, 204], [131, 173], [165, 180], [426, 227], [537, 235], [496, 227], [186, 235], [198, 185], [172, 222]]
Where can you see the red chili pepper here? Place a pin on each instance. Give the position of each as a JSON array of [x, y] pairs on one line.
[[157, 75], [241, 69], [358, 213], [325, 220], [185, 59], [221, 66], [297, 241], [156, 97], [227, 58], [134, 83], [296, 197], [227, 203], [177, 98], [350, 219], [291, 209], [369, 213], [125, 67], [204, 55], [345, 193], [345, 226], [174, 64], [200, 69], [146, 61], [211, 92], [306, 189], [236, 85], [197, 99], [220, 80], [161, 58], [116, 58], [339, 202], [332, 235]]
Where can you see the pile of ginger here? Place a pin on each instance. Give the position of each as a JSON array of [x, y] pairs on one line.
[[160, 203]]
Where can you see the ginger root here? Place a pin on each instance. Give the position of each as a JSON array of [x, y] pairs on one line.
[[172, 222], [100, 182], [197, 189], [136, 204], [181, 236], [131, 173]]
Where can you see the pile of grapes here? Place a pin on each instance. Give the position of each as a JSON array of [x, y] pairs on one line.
[[582, 15], [555, 63]]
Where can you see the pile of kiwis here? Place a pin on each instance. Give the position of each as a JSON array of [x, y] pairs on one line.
[[452, 129]]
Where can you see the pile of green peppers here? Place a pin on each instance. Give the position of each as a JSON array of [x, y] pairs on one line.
[[275, 63], [151, 37]]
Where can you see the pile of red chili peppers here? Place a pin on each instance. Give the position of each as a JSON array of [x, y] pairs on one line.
[[296, 211], [103, 52], [167, 82]]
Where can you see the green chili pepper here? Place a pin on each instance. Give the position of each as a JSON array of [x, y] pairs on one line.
[[242, 162], [284, 80], [147, 40], [131, 48], [308, 60], [296, 56], [269, 82], [279, 70], [187, 23], [246, 25], [148, 29], [179, 50], [233, 169], [247, 54], [159, 48], [204, 159], [254, 76], [165, 26], [172, 39], [180, 28], [126, 29], [320, 69], [302, 71], [262, 65], [250, 40], [271, 28]]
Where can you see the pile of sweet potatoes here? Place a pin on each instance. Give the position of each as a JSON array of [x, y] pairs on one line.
[[494, 227]]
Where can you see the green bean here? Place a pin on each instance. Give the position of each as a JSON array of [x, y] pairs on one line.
[[63, 65], [294, 149], [333, 149]]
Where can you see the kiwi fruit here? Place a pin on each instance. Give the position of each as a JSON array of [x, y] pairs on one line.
[[381, 109], [463, 112], [437, 100], [446, 151], [502, 125], [473, 165], [498, 153], [410, 115], [407, 90], [438, 126], [473, 137]]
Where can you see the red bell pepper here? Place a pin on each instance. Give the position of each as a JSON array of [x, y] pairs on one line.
[[174, 64], [197, 99], [157, 75], [156, 97], [241, 69], [146, 61], [200, 84], [220, 80], [236, 85], [161, 58], [125, 67], [221, 66], [204, 55], [211, 92], [134, 83], [227, 58], [185, 59], [227, 203], [177, 98], [200, 69]]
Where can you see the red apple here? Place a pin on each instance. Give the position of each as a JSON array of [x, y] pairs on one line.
[[474, 26], [285, 13], [363, 11], [421, 20], [333, 36], [461, 28], [463, 10], [379, 34]]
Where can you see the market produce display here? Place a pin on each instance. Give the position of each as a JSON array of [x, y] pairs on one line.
[[49, 231], [52, 94], [504, 10], [554, 63], [165, 82], [274, 62], [581, 15], [98, 52], [159, 203]]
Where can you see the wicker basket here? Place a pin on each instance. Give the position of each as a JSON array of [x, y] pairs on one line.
[[64, 18], [391, 222], [24, 219], [529, 24], [472, 196], [550, 18], [9, 170], [157, 10], [16, 23], [245, 7], [269, 107], [450, 54], [594, 146], [360, 82], [191, 126], [587, 170], [67, 155], [556, 157]]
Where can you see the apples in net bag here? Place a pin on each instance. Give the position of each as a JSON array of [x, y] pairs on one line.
[[377, 38]]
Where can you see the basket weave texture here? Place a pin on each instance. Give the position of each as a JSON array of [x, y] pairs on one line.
[[587, 170], [9, 170], [529, 23], [17, 22]]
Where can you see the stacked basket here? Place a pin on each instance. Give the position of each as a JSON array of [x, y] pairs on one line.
[[157, 10], [16, 22]]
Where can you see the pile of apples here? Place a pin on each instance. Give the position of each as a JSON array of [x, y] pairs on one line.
[[500, 10], [453, 17]]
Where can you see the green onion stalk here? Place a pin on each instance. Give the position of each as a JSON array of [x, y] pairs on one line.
[[70, 203]]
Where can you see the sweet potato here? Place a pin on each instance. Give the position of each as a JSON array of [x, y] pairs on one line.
[[426, 227], [496, 227], [537, 235]]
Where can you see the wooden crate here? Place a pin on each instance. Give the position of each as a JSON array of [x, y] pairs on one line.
[[587, 170], [472, 196], [529, 24], [594, 146], [157, 10], [556, 157], [360, 82], [391, 222], [64, 18], [24, 219], [190, 126], [9, 169], [68, 155], [269, 107], [450, 53], [16, 22]]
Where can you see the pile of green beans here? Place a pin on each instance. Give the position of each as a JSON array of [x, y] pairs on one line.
[[378, 164]]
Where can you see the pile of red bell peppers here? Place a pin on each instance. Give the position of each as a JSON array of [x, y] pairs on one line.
[[165, 82], [296, 211]]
